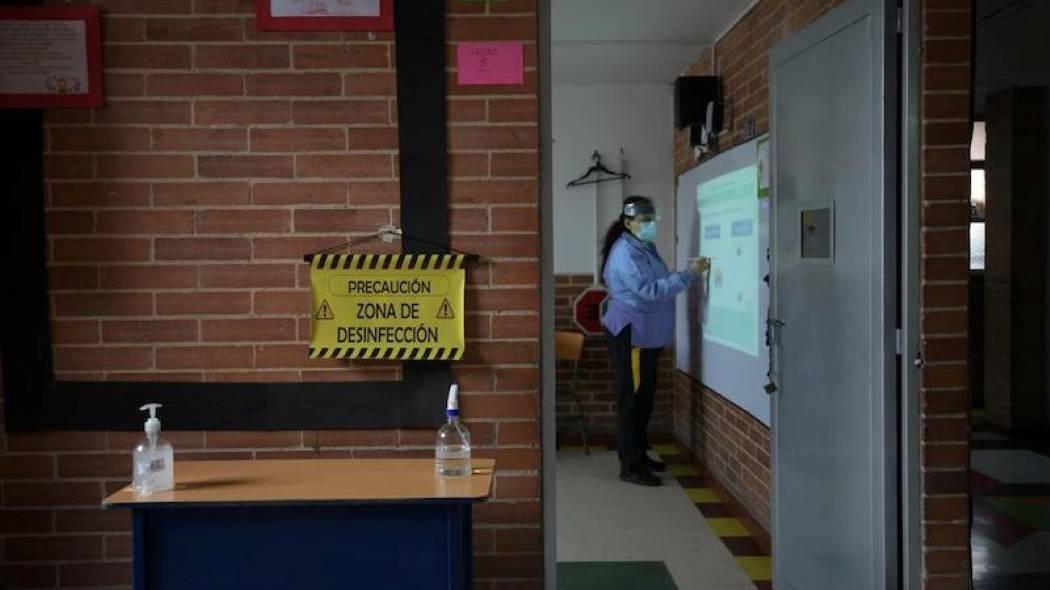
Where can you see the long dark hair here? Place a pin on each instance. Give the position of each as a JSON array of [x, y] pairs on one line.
[[617, 228]]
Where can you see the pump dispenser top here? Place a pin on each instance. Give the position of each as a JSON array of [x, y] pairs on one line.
[[152, 426], [452, 451]]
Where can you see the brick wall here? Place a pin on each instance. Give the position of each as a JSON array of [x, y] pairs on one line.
[[946, 99], [597, 386], [178, 214], [731, 443], [734, 447]]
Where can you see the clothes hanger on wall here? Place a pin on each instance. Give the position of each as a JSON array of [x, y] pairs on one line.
[[597, 169]]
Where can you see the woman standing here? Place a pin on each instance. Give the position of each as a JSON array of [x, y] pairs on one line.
[[638, 324]]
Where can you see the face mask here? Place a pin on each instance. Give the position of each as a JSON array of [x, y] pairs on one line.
[[647, 231]]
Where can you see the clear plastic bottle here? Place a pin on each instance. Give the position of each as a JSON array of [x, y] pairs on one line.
[[153, 460], [452, 451]]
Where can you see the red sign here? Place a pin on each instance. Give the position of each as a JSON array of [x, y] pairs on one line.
[[587, 310]]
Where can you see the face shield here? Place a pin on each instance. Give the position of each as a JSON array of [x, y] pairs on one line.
[[643, 211]]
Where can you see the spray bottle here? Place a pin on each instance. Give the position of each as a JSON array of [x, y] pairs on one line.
[[153, 460], [452, 451]]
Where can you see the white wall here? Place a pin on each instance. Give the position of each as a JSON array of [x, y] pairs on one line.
[[605, 118]]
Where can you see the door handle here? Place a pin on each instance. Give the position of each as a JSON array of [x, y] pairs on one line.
[[773, 326]]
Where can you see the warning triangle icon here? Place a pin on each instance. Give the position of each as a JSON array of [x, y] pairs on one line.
[[445, 312], [324, 312]]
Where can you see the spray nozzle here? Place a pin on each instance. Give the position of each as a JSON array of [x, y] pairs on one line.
[[153, 423], [452, 408]]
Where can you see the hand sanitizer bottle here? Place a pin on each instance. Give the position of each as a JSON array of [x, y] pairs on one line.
[[452, 452], [153, 460]]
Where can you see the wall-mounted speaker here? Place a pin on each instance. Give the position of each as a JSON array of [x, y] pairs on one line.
[[692, 95]]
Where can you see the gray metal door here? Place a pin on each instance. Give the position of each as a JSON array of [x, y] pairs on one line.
[[834, 268]]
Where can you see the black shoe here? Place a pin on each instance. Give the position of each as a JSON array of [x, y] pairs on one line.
[[642, 478], [655, 464]]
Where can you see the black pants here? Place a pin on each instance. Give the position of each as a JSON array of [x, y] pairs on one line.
[[635, 408]]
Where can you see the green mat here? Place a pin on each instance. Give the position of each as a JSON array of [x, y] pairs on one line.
[[614, 575]]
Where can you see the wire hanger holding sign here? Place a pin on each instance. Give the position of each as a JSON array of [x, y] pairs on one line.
[[599, 173], [389, 233]]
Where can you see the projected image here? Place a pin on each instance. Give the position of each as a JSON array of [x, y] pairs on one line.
[[729, 236]]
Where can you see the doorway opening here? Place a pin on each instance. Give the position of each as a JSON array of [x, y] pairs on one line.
[[1009, 307]]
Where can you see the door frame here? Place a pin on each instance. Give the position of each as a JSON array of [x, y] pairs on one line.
[[893, 241]]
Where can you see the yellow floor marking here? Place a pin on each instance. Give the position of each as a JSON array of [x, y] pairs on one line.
[[702, 495], [728, 527], [666, 450], [758, 568], [683, 471]]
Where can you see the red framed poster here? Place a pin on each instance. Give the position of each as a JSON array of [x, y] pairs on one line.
[[50, 57], [325, 15]]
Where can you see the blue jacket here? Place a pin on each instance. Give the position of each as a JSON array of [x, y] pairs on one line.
[[641, 292]]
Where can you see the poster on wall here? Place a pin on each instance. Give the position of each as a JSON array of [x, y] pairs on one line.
[[50, 57], [495, 63], [325, 15]]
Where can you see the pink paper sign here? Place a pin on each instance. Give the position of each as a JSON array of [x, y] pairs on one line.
[[491, 63]]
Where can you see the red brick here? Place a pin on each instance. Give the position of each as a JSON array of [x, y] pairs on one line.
[[70, 222], [330, 57], [95, 465], [468, 220], [121, 29], [242, 112], [512, 379], [490, 28], [298, 140], [194, 85], [341, 112], [500, 406], [468, 164], [203, 249], [281, 302], [201, 193], [519, 540], [519, 433], [524, 110], [516, 273], [75, 575], [474, 138], [128, 277], [508, 326], [27, 467], [98, 359], [243, 222], [245, 166], [373, 192], [493, 191], [289, 248], [242, 57], [193, 29], [103, 304], [204, 357], [254, 440], [339, 220], [507, 513], [207, 140], [373, 138], [145, 222], [68, 166], [65, 548], [470, 110], [248, 330], [142, 166], [100, 195], [310, 85], [55, 441], [345, 166], [52, 494], [498, 246], [371, 84], [515, 164], [149, 331], [92, 520], [92, 139], [295, 193], [25, 522], [247, 276], [146, 57], [74, 332]]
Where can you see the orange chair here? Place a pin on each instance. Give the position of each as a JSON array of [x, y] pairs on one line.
[[568, 347]]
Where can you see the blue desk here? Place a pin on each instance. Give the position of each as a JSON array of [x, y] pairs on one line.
[[314, 524]]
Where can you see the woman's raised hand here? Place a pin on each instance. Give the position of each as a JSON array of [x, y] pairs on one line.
[[700, 265]]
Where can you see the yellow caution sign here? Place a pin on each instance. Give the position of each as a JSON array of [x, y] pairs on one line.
[[379, 306]]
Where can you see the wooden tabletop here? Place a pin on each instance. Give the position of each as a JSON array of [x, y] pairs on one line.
[[312, 481]]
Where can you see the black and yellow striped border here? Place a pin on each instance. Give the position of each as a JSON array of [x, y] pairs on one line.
[[388, 261], [377, 353]]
